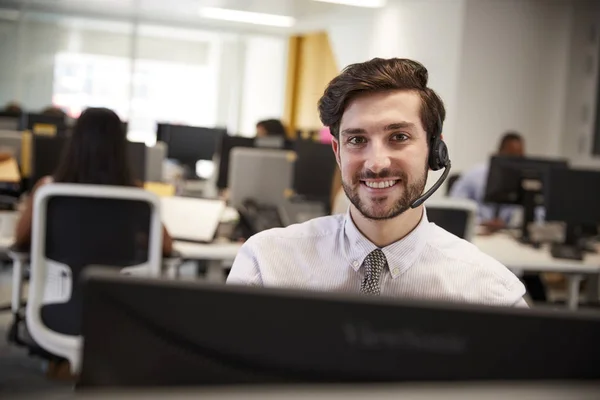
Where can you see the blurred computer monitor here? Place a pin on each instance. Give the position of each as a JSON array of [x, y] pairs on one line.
[[261, 335], [520, 180], [314, 169], [10, 121], [506, 175], [189, 144], [137, 160], [40, 124], [45, 156], [571, 196], [223, 150], [47, 153]]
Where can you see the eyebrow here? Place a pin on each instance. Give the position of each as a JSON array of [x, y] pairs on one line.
[[390, 127]]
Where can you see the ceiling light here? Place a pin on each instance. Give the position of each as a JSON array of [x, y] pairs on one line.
[[247, 17], [357, 3]]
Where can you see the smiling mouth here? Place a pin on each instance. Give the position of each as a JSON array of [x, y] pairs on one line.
[[380, 184]]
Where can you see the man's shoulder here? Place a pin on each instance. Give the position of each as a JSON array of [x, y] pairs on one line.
[[315, 228], [481, 275]]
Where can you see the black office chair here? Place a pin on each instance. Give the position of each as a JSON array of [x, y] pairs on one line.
[[76, 226], [451, 181]]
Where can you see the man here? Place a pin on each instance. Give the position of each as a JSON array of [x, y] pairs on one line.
[[471, 185], [382, 116]]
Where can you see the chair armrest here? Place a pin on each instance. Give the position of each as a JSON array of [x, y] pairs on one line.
[[19, 258], [20, 254]]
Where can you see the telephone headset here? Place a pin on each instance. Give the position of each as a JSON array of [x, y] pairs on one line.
[[438, 158]]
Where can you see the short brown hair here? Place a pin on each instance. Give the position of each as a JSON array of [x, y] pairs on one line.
[[379, 75]]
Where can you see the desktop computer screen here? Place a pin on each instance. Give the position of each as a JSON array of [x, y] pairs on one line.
[[571, 196], [47, 152], [10, 121], [520, 180], [314, 169], [44, 124], [154, 332], [137, 160], [189, 144], [45, 157], [223, 150], [506, 174]]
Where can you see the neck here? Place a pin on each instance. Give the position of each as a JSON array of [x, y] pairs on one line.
[[387, 231]]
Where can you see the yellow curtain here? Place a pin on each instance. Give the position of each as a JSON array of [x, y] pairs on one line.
[[311, 66]]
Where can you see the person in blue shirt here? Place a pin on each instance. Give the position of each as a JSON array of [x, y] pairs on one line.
[[471, 185]]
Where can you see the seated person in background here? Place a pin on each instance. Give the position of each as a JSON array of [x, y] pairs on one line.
[[384, 120], [54, 112], [270, 127], [471, 185], [271, 133], [13, 108], [95, 154]]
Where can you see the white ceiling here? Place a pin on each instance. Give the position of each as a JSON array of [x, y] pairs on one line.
[[185, 12]]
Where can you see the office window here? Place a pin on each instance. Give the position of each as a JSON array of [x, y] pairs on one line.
[[175, 79], [89, 80]]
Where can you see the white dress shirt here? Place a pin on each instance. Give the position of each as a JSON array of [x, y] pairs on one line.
[[327, 254]]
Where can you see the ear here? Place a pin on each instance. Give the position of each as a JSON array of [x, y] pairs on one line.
[[441, 136], [335, 145]]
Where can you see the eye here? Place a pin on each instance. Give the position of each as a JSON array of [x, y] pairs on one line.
[[399, 137], [357, 140]]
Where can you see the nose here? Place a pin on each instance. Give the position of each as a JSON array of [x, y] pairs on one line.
[[378, 157]]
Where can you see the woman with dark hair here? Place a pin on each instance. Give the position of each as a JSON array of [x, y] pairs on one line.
[[95, 154]]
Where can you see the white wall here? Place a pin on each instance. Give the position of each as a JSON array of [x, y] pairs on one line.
[[263, 88], [580, 104], [429, 31], [513, 76], [497, 64]]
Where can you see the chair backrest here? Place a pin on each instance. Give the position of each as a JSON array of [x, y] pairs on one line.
[[155, 158], [76, 226], [262, 175], [457, 216], [451, 181]]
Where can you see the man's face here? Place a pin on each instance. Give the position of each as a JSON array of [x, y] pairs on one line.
[[514, 147], [382, 153]]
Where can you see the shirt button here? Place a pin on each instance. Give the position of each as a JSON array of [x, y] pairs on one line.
[[396, 271], [355, 263]]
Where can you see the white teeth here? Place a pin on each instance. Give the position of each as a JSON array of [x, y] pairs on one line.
[[381, 184]]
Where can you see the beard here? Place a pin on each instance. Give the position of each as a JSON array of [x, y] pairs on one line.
[[410, 192]]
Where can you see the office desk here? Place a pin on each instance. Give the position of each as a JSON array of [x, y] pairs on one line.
[[214, 253], [412, 391], [523, 258]]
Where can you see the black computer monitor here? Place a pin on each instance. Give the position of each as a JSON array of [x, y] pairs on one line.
[[572, 196], [223, 150], [47, 152], [10, 121], [147, 332], [45, 156], [519, 180], [189, 144], [314, 169], [44, 124], [137, 160]]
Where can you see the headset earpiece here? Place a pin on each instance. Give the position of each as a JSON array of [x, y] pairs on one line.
[[438, 154]]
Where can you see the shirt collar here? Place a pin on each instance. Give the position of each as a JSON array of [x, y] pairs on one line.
[[400, 255]]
